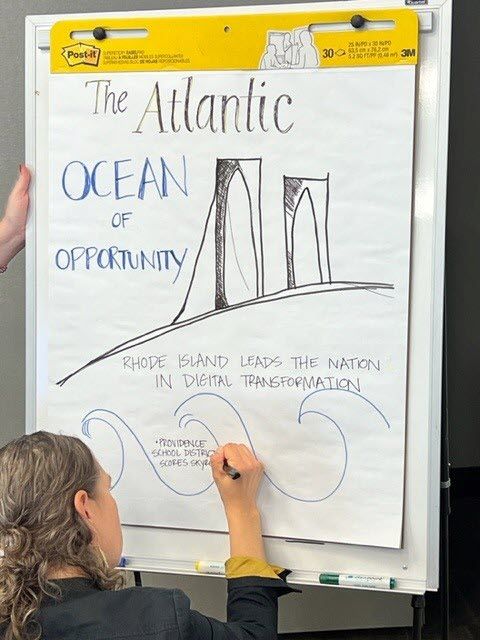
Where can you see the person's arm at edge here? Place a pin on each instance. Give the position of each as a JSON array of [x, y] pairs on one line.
[[253, 585], [240, 499], [12, 225]]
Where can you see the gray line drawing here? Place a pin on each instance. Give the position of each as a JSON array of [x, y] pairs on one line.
[[270, 59], [307, 57], [290, 50]]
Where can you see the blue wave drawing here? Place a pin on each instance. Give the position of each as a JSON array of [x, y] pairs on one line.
[[185, 418]]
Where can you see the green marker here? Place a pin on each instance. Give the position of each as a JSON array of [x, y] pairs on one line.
[[349, 580]]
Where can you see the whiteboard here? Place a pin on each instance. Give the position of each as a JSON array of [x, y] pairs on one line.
[[415, 565]]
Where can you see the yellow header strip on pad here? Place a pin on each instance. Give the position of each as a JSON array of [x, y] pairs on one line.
[[234, 42]]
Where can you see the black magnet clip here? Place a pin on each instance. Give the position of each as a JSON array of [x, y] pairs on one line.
[[99, 33], [357, 21]]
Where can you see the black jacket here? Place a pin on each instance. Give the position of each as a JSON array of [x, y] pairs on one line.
[[87, 613]]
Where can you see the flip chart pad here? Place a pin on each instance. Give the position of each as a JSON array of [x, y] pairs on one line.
[[229, 262]]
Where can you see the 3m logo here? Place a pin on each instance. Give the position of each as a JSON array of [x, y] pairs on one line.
[[80, 53], [408, 53]]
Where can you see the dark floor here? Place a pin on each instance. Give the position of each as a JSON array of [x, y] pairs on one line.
[[465, 575]]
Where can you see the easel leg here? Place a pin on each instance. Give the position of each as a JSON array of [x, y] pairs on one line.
[[418, 604], [445, 495], [138, 578]]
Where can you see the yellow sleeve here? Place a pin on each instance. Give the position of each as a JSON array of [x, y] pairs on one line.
[[243, 567]]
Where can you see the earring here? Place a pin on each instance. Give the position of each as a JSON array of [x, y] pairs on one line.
[[103, 556]]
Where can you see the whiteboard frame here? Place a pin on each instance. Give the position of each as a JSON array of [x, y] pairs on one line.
[[417, 562]]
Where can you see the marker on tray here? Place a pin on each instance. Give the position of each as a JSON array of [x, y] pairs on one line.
[[201, 566], [348, 580], [210, 566], [233, 473]]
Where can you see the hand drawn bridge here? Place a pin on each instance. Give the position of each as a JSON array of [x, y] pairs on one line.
[[210, 291]]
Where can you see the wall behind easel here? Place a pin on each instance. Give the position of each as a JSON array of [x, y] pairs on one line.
[[463, 241], [315, 609]]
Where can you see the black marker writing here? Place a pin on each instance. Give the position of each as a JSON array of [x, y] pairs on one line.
[[216, 113]]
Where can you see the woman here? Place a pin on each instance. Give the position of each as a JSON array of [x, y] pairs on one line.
[[12, 225], [61, 540]]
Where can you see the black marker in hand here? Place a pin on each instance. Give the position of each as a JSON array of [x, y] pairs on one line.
[[233, 473]]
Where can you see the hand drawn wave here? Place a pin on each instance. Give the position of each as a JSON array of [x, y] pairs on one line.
[[186, 418]]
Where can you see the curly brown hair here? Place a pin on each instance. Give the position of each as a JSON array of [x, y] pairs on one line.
[[40, 529]]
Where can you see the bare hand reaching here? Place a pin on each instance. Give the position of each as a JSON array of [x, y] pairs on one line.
[[12, 225], [240, 498]]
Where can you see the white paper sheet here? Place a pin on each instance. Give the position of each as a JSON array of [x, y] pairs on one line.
[[229, 261]]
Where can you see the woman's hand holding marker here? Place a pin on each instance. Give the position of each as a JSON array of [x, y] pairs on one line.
[[241, 494], [240, 497]]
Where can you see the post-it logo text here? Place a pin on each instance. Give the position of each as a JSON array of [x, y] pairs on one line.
[[81, 53]]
